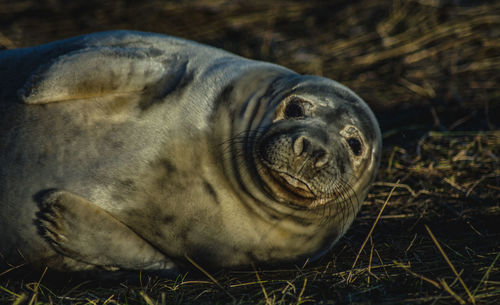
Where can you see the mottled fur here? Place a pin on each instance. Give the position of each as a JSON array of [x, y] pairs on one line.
[[129, 150]]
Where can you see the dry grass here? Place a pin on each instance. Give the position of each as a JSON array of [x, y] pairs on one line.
[[430, 72]]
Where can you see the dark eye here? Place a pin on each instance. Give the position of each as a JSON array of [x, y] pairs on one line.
[[294, 109], [355, 146]]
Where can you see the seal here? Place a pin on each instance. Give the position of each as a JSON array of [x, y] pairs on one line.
[[130, 150]]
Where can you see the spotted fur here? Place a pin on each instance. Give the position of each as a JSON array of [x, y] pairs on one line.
[[130, 150]]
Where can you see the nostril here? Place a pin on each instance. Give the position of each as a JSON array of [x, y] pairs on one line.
[[299, 145], [302, 146], [321, 158]]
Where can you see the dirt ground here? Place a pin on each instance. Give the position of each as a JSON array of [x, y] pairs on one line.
[[430, 69]]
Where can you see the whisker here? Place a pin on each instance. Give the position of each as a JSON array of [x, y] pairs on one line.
[[337, 200]]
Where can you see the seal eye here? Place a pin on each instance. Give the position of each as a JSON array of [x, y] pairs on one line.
[[294, 110], [355, 146]]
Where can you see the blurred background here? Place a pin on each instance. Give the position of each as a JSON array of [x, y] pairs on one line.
[[421, 64]]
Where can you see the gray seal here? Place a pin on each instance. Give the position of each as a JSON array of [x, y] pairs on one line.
[[129, 150]]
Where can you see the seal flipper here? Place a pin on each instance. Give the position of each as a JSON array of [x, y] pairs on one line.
[[82, 231], [102, 70]]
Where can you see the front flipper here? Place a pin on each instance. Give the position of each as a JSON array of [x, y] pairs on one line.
[[83, 231], [103, 71]]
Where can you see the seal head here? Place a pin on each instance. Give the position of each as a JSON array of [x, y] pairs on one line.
[[313, 154]]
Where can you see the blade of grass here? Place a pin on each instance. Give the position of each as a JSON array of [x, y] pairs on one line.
[[471, 297], [204, 271], [349, 277], [209, 276], [426, 279], [20, 299], [451, 292], [486, 274], [146, 298], [268, 301], [10, 292], [37, 285], [300, 301]]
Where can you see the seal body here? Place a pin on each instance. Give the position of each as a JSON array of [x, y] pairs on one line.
[[130, 150]]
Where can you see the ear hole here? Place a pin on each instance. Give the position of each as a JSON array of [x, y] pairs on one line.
[[294, 109], [355, 146]]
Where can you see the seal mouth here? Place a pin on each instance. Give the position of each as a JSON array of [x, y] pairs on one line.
[[294, 185], [294, 190]]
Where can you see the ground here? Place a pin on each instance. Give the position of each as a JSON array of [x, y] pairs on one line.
[[430, 71]]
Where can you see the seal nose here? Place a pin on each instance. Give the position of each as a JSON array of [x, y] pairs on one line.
[[307, 147]]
